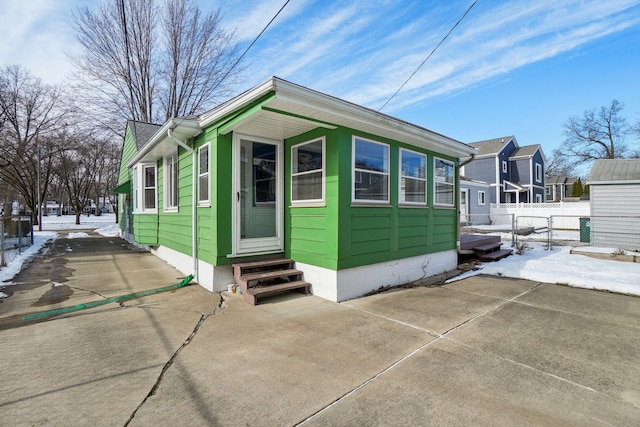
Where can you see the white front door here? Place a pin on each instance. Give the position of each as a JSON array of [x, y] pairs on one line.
[[258, 195]]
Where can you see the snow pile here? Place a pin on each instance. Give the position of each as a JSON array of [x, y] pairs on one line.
[[559, 266], [77, 235], [112, 230]]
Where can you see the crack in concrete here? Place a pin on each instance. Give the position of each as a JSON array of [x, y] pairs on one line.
[[169, 363]]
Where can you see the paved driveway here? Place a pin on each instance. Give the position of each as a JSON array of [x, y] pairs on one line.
[[482, 351]]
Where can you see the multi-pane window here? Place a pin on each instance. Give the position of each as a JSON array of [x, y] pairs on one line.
[[144, 181], [171, 182], [413, 177], [444, 182], [203, 174], [370, 171], [307, 172]]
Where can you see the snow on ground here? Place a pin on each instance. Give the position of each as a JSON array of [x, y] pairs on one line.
[[560, 266], [551, 266], [103, 224]]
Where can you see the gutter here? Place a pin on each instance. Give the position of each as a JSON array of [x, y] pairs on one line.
[[457, 186], [194, 201]]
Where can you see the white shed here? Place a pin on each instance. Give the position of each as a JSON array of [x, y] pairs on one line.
[[614, 186]]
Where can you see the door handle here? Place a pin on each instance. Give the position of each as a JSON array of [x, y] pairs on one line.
[[238, 196]]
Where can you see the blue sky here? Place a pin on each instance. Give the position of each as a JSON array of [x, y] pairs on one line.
[[510, 68]]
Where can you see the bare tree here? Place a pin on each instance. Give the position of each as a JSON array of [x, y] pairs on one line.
[[31, 115], [149, 60], [559, 164], [598, 134], [77, 169]]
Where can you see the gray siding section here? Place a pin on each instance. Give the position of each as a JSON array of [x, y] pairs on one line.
[[482, 170], [478, 214], [609, 205]]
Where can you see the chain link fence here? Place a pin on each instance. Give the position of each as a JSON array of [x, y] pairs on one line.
[[16, 233], [617, 232], [545, 232], [533, 232]]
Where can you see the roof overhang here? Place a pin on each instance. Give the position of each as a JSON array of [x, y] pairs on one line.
[[162, 144], [618, 182], [294, 109], [515, 188]]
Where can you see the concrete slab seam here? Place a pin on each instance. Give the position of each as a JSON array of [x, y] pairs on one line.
[[362, 385], [549, 374], [411, 354], [169, 363]]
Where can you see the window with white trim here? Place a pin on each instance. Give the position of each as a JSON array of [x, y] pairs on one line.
[[203, 175], [370, 171], [538, 198], [413, 177], [504, 166], [170, 182], [144, 182], [538, 172], [444, 182], [481, 199], [307, 172]]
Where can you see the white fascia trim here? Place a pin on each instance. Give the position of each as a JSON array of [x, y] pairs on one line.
[[236, 103], [190, 125], [307, 97], [303, 96]]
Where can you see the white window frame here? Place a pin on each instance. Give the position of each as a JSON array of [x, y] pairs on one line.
[[538, 172], [538, 198], [140, 188], [356, 178], [401, 193], [481, 198], [207, 175], [452, 184], [170, 182], [322, 170], [504, 166]]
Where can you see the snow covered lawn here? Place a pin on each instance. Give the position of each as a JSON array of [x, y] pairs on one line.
[[560, 266]]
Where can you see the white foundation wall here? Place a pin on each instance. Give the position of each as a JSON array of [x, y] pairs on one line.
[[351, 283], [212, 278]]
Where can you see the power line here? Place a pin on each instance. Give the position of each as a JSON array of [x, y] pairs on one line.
[[429, 56], [252, 43]]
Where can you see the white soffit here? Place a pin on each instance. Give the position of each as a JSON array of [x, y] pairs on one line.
[[271, 124]]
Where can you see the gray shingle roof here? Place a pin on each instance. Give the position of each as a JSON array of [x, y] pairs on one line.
[[526, 151], [610, 170], [491, 146], [142, 132]]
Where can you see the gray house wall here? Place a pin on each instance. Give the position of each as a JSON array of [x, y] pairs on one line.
[[615, 210], [478, 214], [482, 170]]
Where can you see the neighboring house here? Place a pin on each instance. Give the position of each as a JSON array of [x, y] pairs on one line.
[[474, 202], [515, 174], [615, 203], [558, 188], [356, 198]]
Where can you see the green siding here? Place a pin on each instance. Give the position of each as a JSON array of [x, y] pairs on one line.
[[340, 235], [334, 236]]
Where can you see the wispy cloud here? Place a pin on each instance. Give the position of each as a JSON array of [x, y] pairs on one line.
[[496, 41], [364, 51]]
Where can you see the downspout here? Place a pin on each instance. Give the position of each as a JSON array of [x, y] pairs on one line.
[[457, 186], [194, 202]]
